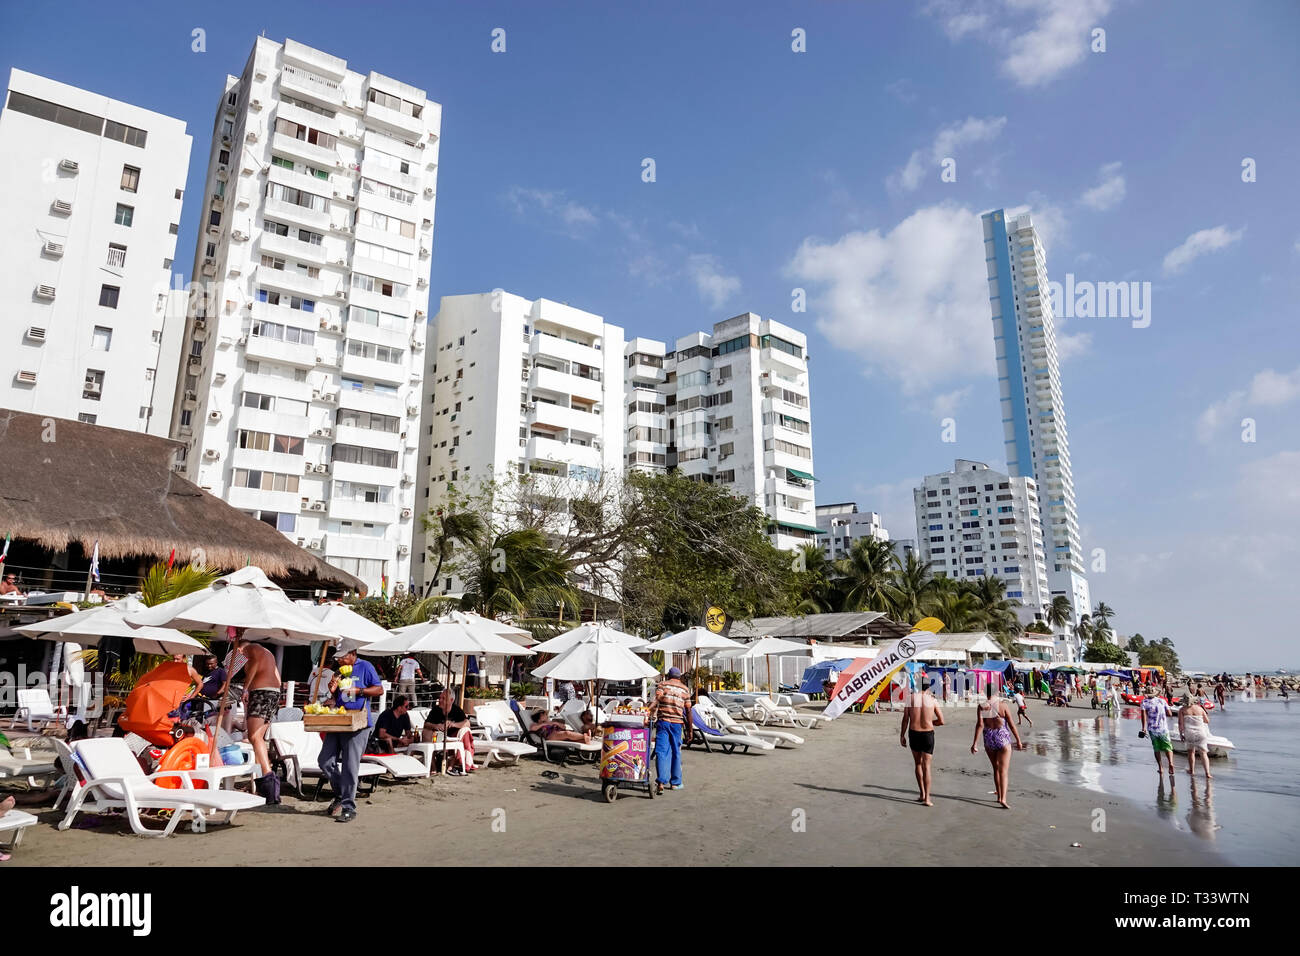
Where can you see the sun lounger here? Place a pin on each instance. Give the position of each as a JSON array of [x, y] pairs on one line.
[[300, 752], [554, 751], [765, 712], [114, 781], [708, 736], [37, 710], [492, 738], [12, 825], [20, 763], [399, 766], [720, 718]]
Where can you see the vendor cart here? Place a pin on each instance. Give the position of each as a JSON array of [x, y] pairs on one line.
[[625, 756]]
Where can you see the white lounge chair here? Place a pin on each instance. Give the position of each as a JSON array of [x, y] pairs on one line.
[[37, 710], [15, 822], [493, 737], [19, 762], [114, 781], [720, 718], [399, 766], [765, 712], [701, 732], [554, 751], [300, 751]]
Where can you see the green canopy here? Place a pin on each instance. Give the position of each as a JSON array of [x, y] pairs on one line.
[[799, 527], [800, 474]]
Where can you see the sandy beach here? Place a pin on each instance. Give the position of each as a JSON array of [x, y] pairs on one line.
[[851, 784]]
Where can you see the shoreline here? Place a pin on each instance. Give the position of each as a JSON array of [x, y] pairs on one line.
[[845, 798]]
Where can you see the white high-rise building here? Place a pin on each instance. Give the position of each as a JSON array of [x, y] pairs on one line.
[[1029, 376], [842, 524], [90, 213], [973, 521], [736, 411], [515, 386], [300, 399]]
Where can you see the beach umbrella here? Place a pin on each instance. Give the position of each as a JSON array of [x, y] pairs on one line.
[[356, 631], [154, 696], [585, 633], [603, 657], [246, 599], [695, 639], [765, 647], [88, 626]]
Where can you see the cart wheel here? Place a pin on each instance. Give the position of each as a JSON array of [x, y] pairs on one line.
[[610, 792], [650, 789]]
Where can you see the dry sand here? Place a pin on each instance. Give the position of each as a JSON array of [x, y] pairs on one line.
[[851, 784]]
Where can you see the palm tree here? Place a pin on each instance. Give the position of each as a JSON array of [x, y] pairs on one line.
[[447, 530], [913, 585], [866, 575], [1084, 630], [957, 608], [1060, 612], [1103, 613], [996, 612], [518, 573], [814, 582]]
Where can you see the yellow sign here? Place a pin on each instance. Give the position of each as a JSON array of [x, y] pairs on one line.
[[715, 619], [931, 624]]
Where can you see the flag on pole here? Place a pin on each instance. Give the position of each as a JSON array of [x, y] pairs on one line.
[[170, 561], [94, 562], [383, 588], [5, 554]]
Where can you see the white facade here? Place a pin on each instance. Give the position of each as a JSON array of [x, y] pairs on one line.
[[517, 386], [736, 412], [1029, 377], [843, 524], [300, 400], [973, 521], [90, 212]]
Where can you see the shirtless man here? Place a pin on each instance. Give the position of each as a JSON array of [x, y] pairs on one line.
[[261, 704], [920, 716]]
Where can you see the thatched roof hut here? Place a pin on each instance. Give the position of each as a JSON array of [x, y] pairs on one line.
[[65, 485]]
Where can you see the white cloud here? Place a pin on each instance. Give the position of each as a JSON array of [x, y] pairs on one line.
[[1072, 346], [911, 303], [894, 503], [714, 286], [946, 142], [1109, 192], [1049, 219], [570, 216], [1037, 40], [1268, 389], [1198, 244], [946, 404], [1269, 483]]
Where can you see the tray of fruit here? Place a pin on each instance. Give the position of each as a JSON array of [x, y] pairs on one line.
[[338, 719]]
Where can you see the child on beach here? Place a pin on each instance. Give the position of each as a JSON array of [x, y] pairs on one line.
[[1021, 709]]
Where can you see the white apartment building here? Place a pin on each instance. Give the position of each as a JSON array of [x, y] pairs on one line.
[[1029, 377], [300, 398], [90, 212], [735, 411], [842, 524], [517, 386], [973, 521]]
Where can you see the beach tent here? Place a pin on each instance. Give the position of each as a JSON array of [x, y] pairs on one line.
[[819, 673]]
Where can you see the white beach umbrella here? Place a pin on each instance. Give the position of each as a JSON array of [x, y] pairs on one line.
[[246, 599], [765, 647], [585, 633], [603, 657], [88, 626], [695, 639], [356, 631]]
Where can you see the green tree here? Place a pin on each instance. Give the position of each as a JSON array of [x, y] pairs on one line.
[[996, 613], [913, 586], [518, 573], [445, 530], [814, 585], [1060, 612], [957, 608], [866, 576], [1102, 651]]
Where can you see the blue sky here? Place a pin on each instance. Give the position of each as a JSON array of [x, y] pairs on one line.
[[820, 170]]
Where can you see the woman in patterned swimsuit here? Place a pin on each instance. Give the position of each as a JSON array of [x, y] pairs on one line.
[[994, 719]]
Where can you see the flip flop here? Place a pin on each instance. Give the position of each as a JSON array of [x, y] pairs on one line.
[[5, 857]]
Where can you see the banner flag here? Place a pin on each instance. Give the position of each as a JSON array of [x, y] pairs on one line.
[[864, 676]]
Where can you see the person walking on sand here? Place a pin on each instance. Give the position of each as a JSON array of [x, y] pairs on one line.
[[1021, 709], [1194, 728], [670, 716], [261, 704], [921, 715], [1155, 724], [993, 718], [340, 755]]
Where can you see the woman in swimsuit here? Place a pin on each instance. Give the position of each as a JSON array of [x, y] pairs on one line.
[[994, 719]]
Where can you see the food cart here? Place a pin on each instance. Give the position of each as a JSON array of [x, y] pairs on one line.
[[625, 753]]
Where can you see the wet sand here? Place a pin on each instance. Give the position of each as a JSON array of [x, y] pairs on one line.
[[850, 785]]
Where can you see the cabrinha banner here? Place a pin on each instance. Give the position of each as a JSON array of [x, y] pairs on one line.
[[865, 676]]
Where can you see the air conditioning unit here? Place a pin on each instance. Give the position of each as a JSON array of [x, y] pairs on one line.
[[428, 192], [321, 469], [340, 294], [255, 105], [315, 544], [219, 378], [327, 432], [403, 549], [331, 396], [191, 395], [412, 409], [424, 252], [419, 145], [340, 262], [318, 506], [222, 175], [259, 75], [239, 235], [407, 479], [345, 229], [209, 267], [307, 467], [225, 141], [211, 454], [52, 248], [196, 362], [68, 165], [251, 137], [318, 433], [243, 340], [214, 416], [428, 224], [320, 360], [61, 208], [406, 512], [234, 273], [422, 283], [419, 313], [417, 345], [324, 323], [334, 327], [200, 324], [45, 292], [36, 334], [301, 542]]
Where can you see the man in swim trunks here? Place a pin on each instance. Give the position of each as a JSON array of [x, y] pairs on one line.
[[261, 704], [921, 715], [1155, 724]]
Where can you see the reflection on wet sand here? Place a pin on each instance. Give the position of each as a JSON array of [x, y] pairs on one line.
[[1200, 818]]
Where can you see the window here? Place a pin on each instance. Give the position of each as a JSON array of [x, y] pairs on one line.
[[382, 320], [367, 217], [387, 160], [265, 480], [385, 287], [364, 494], [296, 197], [94, 385], [86, 419], [388, 100], [383, 254], [292, 301], [385, 191], [42, 109], [284, 333], [305, 133], [116, 255], [356, 455], [223, 157], [108, 296], [102, 339], [214, 218], [130, 178], [369, 420], [380, 353], [124, 215]]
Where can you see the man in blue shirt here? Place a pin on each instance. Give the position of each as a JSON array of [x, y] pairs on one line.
[[340, 754]]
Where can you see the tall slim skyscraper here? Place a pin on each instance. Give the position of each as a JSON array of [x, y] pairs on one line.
[[89, 213], [300, 397], [1029, 379]]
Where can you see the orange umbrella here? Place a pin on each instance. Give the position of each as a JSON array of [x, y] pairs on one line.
[[158, 693]]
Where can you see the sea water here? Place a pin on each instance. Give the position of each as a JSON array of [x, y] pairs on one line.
[[1249, 812]]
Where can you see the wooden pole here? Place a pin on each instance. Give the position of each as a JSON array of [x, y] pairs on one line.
[[768, 658], [315, 687]]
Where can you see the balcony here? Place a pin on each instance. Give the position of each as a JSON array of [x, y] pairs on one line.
[[372, 512], [364, 474], [383, 403], [385, 174], [647, 373], [356, 366], [317, 220], [274, 245], [556, 347], [311, 86], [550, 449], [376, 115], [276, 351], [254, 499], [368, 438], [562, 383], [317, 156], [568, 419], [361, 546], [259, 420], [289, 280], [770, 357]]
